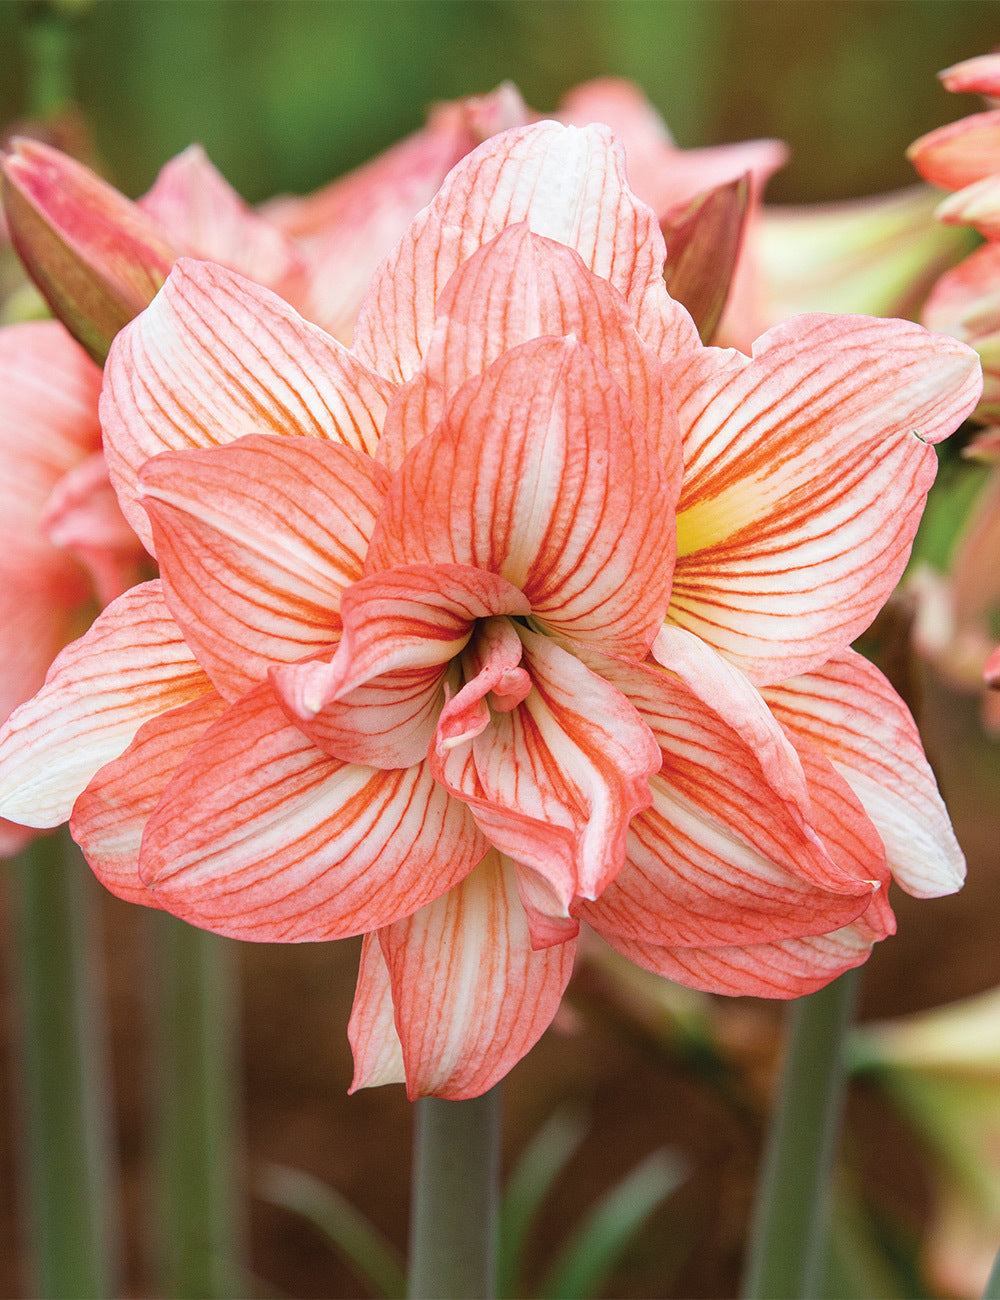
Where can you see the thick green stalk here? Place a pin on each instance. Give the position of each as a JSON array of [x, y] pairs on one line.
[[788, 1233], [456, 1178], [199, 1162], [74, 1232]]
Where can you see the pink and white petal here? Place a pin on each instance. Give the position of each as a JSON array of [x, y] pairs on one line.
[[786, 969], [849, 835], [543, 850], [375, 1045], [567, 184], [979, 75], [471, 995], [848, 710], [110, 816], [690, 881], [960, 153], [991, 671], [82, 518], [386, 723], [976, 205], [257, 540], [130, 666], [806, 470], [732, 848], [260, 835], [518, 287], [378, 701], [555, 781], [204, 216], [665, 325], [549, 921], [48, 422], [214, 358], [541, 472], [729, 711], [36, 621], [966, 295], [416, 616], [492, 669]]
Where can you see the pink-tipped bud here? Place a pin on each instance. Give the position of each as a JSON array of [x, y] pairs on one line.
[[703, 244], [96, 257], [977, 76]]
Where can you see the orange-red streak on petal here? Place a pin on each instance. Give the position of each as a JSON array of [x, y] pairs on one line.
[[262, 836], [471, 996]]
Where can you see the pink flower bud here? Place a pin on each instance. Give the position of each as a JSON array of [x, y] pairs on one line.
[[96, 257], [703, 244]]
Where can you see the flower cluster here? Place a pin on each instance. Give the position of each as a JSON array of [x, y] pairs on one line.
[[528, 612], [964, 156]]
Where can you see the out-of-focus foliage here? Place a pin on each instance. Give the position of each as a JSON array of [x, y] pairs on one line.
[[287, 93]]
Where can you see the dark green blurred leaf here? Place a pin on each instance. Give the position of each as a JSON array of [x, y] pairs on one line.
[[530, 1181], [598, 1241], [353, 1236]]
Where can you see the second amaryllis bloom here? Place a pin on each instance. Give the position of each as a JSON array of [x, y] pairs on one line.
[[529, 612]]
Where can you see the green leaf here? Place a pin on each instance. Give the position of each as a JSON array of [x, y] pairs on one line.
[[530, 1181], [862, 1258], [599, 1239], [351, 1234]]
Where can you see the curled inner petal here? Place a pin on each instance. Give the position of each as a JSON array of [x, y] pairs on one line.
[[555, 781], [494, 659], [378, 699]]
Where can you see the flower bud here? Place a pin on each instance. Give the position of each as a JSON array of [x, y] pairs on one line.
[[96, 257], [703, 244]]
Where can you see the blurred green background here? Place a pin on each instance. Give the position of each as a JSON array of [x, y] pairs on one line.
[[284, 94]]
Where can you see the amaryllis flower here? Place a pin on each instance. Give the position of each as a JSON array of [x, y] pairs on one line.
[[965, 156], [953, 612], [527, 613]]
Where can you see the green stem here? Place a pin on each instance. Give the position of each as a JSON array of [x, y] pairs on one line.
[[199, 1171], [788, 1233], [456, 1177], [72, 1207]]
